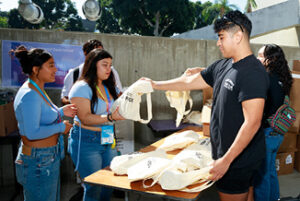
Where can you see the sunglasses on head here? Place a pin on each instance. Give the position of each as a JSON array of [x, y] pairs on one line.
[[233, 21]]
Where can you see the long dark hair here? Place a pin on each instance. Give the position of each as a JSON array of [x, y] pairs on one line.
[[89, 74], [276, 63], [33, 57]]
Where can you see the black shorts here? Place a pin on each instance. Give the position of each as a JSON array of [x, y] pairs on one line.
[[238, 180]]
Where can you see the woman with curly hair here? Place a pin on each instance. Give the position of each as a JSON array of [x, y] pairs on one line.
[[266, 186]]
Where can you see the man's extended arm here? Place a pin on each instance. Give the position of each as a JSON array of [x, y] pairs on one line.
[[182, 83]]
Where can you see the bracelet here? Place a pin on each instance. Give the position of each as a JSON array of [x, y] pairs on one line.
[[109, 118]]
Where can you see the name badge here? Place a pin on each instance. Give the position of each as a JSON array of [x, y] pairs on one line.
[[107, 134]]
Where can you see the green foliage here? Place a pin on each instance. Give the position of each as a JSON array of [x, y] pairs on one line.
[[108, 23], [3, 22], [203, 19], [217, 9], [249, 5], [15, 20], [143, 17], [154, 17], [58, 14]]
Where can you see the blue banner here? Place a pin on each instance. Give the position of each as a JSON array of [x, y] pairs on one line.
[[65, 57]]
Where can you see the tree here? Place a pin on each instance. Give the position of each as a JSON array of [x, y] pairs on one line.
[[3, 19], [15, 20], [58, 15], [202, 20], [249, 5], [108, 23], [221, 7], [154, 17]]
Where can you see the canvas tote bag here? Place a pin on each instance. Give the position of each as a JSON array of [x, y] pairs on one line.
[[120, 164], [190, 166], [198, 160], [180, 140], [178, 100], [129, 101]]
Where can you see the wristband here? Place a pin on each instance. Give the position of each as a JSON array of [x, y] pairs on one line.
[[109, 118]]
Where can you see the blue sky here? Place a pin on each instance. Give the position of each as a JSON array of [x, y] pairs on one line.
[[7, 5]]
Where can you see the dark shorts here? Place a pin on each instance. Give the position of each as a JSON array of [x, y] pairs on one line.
[[238, 180]]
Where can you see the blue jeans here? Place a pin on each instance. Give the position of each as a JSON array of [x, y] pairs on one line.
[[266, 186], [39, 172], [92, 157]]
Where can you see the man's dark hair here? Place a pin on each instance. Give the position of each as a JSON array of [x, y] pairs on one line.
[[90, 45], [231, 20]]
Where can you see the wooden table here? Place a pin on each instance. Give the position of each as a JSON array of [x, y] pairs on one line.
[[107, 178]]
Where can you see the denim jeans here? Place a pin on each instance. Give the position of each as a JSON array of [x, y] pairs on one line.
[[92, 157], [39, 173], [266, 186]]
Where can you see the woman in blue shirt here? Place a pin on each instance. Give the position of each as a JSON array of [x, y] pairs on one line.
[[266, 186], [40, 125], [91, 141]]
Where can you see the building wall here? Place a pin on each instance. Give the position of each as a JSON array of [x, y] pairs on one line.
[[285, 37], [137, 56], [266, 3]]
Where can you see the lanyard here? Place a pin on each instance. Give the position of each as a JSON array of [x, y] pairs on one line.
[[45, 95], [107, 99]]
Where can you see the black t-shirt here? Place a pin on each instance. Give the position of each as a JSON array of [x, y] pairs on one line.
[[275, 97], [243, 80]]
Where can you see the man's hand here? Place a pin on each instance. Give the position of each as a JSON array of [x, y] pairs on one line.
[[192, 71], [219, 169]]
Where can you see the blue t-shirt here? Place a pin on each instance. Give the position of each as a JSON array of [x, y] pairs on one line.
[[36, 119], [83, 90]]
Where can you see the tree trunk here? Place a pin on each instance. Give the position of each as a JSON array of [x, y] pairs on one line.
[[156, 26]]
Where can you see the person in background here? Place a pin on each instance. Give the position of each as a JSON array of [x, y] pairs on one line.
[[76, 72], [266, 186], [240, 85], [91, 141], [40, 127]]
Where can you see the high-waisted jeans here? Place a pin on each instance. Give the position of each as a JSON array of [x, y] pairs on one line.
[[92, 157], [266, 186], [39, 172]]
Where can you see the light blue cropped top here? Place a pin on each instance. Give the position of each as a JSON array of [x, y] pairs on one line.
[[36, 119], [83, 90]]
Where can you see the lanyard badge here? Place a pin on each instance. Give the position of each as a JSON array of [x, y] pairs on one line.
[[107, 134], [107, 131]]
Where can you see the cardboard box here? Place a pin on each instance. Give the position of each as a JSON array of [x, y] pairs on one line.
[[206, 129], [294, 94], [206, 113], [297, 161], [296, 65], [8, 122], [289, 143], [298, 143], [285, 163], [296, 125], [207, 94]]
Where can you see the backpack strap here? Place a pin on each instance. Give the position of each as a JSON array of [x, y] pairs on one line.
[[286, 100], [75, 74]]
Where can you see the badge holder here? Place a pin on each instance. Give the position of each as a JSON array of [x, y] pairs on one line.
[[107, 134]]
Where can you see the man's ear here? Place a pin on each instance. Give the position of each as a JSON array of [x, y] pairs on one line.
[[238, 37]]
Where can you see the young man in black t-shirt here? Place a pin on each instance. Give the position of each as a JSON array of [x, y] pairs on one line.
[[240, 85]]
